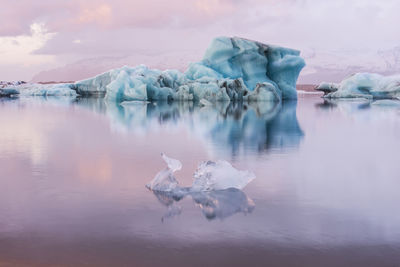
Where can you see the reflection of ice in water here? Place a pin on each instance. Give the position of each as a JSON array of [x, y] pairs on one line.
[[216, 189], [223, 203], [233, 128], [364, 109]]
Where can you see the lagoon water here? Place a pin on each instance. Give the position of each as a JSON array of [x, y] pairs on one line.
[[73, 175]]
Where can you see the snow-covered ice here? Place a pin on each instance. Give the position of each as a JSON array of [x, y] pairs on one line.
[[364, 85], [232, 69]]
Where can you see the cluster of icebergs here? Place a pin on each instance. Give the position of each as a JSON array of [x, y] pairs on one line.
[[233, 69], [217, 188]]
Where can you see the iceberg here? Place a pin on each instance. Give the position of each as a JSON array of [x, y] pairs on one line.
[[233, 69], [363, 85], [216, 189], [8, 92], [33, 89]]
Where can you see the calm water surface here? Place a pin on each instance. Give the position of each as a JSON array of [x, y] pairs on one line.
[[73, 175]]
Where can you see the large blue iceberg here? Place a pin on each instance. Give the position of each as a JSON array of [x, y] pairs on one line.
[[233, 69], [363, 85]]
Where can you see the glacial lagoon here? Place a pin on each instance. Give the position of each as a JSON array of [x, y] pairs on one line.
[[73, 175]]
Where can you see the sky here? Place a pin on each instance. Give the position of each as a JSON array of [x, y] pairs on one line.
[[36, 36]]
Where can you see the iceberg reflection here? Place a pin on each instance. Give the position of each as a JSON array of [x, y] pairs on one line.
[[232, 127], [357, 104], [216, 204]]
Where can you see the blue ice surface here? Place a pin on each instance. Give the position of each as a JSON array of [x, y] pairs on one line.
[[8, 92], [364, 85], [233, 69]]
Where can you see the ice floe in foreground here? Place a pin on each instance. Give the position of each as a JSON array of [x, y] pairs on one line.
[[233, 69], [209, 176], [216, 188], [363, 85]]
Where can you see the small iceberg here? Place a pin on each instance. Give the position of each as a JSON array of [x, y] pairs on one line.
[[8, 92], [34, 89], [363, 85], [7, 88], [217, 189]]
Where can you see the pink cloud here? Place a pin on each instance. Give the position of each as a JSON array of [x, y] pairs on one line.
[[72, 15], [97, 28]]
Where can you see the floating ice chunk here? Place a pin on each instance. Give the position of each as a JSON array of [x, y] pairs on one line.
[[216, 189], [209, 176], [219, 175], [364, 85]]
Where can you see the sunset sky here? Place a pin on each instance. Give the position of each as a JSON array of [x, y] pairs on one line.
[[46, 34]]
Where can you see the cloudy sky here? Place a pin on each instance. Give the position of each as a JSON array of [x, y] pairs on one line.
[[46, 34]]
